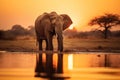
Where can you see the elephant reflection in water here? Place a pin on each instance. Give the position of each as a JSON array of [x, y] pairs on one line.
[[48, 68]]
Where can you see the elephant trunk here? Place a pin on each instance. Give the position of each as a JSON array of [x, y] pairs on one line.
[[60, 42]]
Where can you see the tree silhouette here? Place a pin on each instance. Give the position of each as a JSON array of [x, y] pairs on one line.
[[19, 30], [106, 21]]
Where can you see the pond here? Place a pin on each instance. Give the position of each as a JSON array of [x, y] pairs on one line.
[[59, 66]]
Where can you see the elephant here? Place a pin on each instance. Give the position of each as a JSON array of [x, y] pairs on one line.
[[49, 24]]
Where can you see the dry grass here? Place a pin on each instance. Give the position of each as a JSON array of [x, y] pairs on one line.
[[72, 44]]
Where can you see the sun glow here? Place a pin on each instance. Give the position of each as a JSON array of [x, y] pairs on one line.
[[71, 27]]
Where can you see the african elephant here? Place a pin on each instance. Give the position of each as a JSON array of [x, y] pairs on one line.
[[49, 24]]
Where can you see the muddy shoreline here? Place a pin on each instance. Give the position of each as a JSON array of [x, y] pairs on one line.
[[70, 45], [64, 51]]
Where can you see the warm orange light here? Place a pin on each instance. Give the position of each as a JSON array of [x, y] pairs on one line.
[[24, 12], [70, 61], [71, 27]]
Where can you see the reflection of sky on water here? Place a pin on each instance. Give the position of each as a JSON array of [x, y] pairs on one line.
[[28, 60]]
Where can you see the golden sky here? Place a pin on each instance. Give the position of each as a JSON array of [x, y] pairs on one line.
[[24, 12]]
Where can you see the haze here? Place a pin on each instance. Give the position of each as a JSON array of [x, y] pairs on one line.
[[24, 12]]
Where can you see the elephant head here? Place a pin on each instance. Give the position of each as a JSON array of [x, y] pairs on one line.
[[65, 19], [59, 24]]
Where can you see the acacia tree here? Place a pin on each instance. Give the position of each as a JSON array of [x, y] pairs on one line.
[[106, 21]]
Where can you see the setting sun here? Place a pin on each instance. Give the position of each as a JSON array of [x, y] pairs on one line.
[[71, 27]]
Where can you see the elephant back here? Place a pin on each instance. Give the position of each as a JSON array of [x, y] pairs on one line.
[[40, 25], [41, 17]]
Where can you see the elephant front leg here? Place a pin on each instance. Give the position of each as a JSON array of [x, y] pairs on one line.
[[40, 44], [49, 43], [60, 43], [58, 31]]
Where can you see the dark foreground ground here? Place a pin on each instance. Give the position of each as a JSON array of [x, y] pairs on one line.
[[74, 45]]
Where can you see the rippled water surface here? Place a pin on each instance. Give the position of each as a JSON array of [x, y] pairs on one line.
[[59, 66]]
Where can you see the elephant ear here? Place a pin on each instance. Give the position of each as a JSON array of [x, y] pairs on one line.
[[67, 21]]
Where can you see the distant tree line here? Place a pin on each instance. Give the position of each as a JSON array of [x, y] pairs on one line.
[[91, 34], [17, 31]]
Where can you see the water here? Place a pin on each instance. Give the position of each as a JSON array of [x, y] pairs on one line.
[[65, 66]]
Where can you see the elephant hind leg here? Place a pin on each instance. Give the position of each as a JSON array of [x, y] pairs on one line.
[[40, 44]]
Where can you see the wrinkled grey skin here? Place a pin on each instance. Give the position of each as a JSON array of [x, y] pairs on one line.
[[49, 24]]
